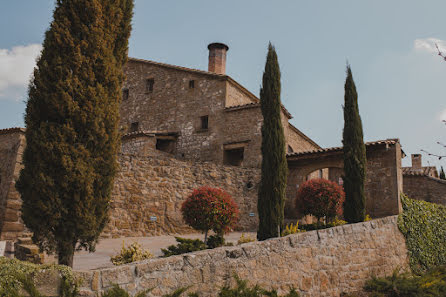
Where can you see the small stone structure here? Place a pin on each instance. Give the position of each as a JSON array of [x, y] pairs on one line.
[[317, 263], [422, 182], [384, 181]]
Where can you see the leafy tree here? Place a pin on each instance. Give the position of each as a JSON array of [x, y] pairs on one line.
[[271, 196], [321, 198], [354, 155], [210, 209], [442, 175], [72, 116]]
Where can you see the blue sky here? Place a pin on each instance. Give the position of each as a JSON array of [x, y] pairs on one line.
[[389, 44]]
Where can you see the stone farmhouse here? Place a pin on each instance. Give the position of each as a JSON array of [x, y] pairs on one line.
[[184, 128]]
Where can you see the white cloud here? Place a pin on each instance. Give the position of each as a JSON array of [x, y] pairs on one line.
[[443, 115], [16, 67], [428, 45]]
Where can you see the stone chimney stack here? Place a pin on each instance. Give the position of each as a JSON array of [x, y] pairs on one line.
[[416, 161], [217, 57]]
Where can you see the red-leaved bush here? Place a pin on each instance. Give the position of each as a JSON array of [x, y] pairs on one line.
[[321, 198], [210, 209]]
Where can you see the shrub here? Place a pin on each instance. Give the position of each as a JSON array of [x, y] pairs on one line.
[[210, 209], [321, 198], [291, 229], [16, 275], [243, 290], [245, 239], [431, 284], [132, 253], [215, 241], [184, 246], [423, 225]]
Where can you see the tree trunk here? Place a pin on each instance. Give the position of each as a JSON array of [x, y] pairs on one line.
[[65, 254]]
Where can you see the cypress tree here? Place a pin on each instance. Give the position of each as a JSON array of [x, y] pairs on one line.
[[72, 117], [271, 196], [442, 175], [354, 155]]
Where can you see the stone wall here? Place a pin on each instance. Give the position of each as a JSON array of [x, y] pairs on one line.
[[422, 187], [318, 263], [11, 148], [153, 184]]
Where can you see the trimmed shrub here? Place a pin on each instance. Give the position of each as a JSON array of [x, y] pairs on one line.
[[321, 198], [184, 246], [210, 209], [132, 253], [424, 226]]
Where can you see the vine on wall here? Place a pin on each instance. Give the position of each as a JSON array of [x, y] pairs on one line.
[[424, 226]]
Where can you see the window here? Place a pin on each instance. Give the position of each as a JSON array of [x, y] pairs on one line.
[[134, 127], [149, 85], [125, 94], [290, 149], [191, 84], [233, 157], [204, 122]]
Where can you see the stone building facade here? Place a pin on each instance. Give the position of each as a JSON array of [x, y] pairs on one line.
[[199, 115]]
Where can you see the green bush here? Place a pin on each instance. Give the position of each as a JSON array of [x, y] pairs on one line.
[[215, 241], [424, 227], [184, 246], [16, 275], [132, 253], [431, 284]]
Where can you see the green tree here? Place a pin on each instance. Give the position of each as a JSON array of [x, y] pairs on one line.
[[442, 175], [72, 116], [271, 196], [354, 155]]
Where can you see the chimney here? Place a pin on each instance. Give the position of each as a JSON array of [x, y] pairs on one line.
[[217, 57], [416, 161]]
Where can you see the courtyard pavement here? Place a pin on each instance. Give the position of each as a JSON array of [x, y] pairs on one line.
[[109, 247]]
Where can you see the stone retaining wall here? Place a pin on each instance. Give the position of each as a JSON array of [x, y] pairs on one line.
[[318, 263]]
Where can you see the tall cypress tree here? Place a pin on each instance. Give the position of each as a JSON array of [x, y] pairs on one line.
[[71, 119], [442, 175], [271, 196], [354, 155]]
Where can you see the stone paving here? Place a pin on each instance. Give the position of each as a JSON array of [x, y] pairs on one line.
[[109, 247]]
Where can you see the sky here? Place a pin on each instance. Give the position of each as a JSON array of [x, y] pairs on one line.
[[390, 46]]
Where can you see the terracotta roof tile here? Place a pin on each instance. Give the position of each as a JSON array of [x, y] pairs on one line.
[[12, 130], [427, 171], [339, 148]]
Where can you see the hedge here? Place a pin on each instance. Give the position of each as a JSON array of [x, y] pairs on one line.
[[424, 227]]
